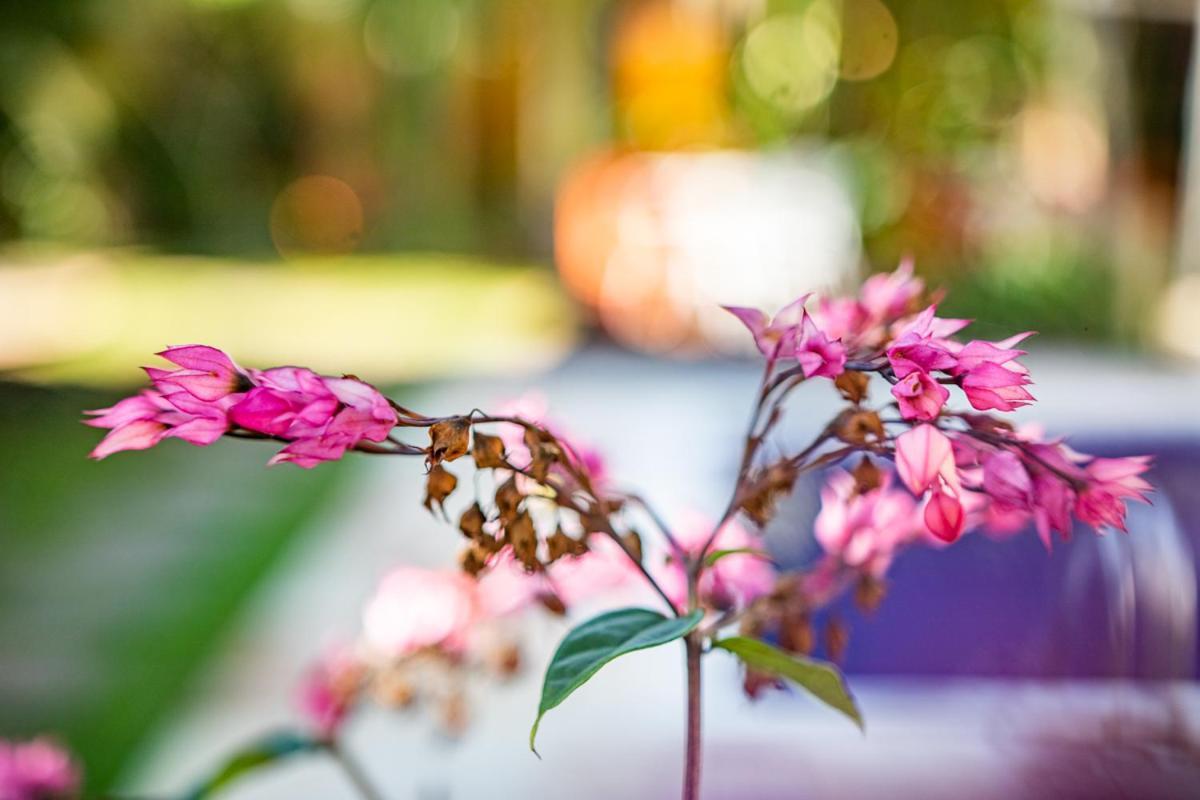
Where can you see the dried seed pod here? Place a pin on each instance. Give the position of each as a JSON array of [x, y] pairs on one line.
[[836, 637], [508, 500], [544, 452], [858, 427], [764, 490], [633, 543], [853, 385], [449, 439], [438, 486], [471, 522], [552, 603], [504, 659], [391, 688], [869, 593], [488, 451], [452, 714], [558, 545], [473, 559], [796, 633], [867, 476], [521, 534]]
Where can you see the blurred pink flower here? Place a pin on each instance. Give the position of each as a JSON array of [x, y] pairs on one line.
[[734, 581], [1111, 481], [864, 530], [919, 396], [36, 770], [890, 294], [414, 608], [1006, 480], [328, 690], [507, 587]]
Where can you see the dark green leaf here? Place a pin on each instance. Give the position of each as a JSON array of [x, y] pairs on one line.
[[822, 680], [717, 555], [598, 641], [265, 751]]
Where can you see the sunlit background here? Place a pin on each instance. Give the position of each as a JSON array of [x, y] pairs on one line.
[[426, 191]]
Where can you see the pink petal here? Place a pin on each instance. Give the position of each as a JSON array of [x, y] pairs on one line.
[[921, 454], [137, 435], [944, 516]]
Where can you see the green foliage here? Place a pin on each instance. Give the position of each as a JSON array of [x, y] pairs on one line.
[[263, 752], [820, 679], [594, 643]]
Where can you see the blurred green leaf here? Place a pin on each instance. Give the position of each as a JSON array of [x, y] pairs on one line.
[[717, 555], [263, 752], [820, 679], [591, 645]]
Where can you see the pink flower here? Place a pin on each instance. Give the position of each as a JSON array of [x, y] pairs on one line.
[[414, 608], [1110, 482], [991, 386], [922, 344], [734, 581], [976, 352], [205, 372], [1006, 480], [1052, 503], [142, 421], [775, 336], [925, 462], [864, 530], [329, 690], [322, 416], [891, 294], [920, 397], [816, 354], [841, 318], [36, 770]]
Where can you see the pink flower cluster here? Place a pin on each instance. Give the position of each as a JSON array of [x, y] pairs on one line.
[[36, 770], [208, 395], [864, 530], [984, 474], [792, 334], [735, 580]]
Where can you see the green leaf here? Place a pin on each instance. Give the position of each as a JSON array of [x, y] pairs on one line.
[[261, 753], [594, 643], [822, 680], [717, 555]]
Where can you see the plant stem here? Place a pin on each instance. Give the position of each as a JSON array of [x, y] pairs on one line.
[[691, 770], [354, 772]]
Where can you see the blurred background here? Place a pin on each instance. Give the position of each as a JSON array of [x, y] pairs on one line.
[[463, 198]]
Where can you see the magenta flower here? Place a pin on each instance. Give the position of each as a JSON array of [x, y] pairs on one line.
[[36, 770], [891, 294], [817, 355], [1111, 481], [775, 336], [144, 420], [415, 608], [1006, 480], [322, 417], [920, 397], [327, 693], [205, 372], [864, 530], [989, 385], [923, 456]]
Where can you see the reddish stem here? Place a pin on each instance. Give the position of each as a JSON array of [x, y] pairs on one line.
[[691, 769]]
